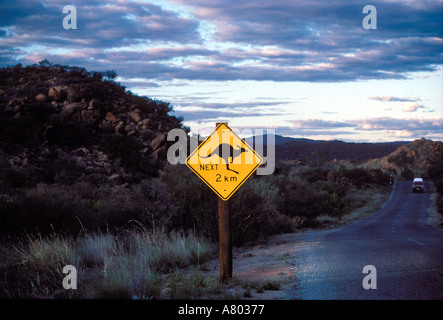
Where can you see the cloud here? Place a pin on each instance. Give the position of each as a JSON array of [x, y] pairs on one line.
[[401, 133], [213, 115], [399, 128], [391, 98], [320, 124], [312, 41], [411, 106], [408, 104], [306, 36], [431, 126], [236, 105], [207, 111], [350, 130], [100, 26], [319, 129]]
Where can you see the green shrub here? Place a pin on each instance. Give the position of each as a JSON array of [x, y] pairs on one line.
[[358, 176], [379, 177], [74, 133], [254, 207], [196, 203], [124, 147], [407, 174], [42, 209], [24, 130], [314, 174], [271, 285], [255, 214], [401, 159]]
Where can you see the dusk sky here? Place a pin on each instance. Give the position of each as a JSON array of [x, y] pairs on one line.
[[304, 68]]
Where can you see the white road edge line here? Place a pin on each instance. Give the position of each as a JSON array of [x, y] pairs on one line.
[[415, 241]]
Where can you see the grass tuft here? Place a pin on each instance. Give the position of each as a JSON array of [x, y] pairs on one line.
[[133, 266]]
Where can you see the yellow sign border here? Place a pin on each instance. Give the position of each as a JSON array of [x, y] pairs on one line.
[[246, 177]]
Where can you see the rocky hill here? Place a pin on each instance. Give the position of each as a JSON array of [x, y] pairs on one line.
[[420, 155], [61, 124]]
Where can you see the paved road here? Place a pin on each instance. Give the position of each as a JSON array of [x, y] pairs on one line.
[[406, 252]]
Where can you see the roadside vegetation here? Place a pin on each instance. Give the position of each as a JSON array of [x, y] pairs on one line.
[[293, 197], [435, 174], [151, 240], [134, 264]]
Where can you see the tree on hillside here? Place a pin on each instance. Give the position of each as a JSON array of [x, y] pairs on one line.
[[407, 174], [402, 159], [109, 75]]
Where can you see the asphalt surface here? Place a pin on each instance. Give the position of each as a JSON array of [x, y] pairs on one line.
[[406, 252]]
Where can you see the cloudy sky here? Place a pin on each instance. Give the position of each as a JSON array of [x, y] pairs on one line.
[[303, 68]]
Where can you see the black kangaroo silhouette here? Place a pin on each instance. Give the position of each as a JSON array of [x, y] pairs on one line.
[[226, 151]]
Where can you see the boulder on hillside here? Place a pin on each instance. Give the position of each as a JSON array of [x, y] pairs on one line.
[[110, 117], [57, 93], [40, 97], [158, 141], [71, 108], [90, 115]]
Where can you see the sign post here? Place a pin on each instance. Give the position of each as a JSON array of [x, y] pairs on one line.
[[224, 162], [225, 240]]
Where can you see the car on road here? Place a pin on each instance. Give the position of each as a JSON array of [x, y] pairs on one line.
[[417, 185]]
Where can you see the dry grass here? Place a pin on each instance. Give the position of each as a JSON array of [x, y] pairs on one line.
[[124, 266]]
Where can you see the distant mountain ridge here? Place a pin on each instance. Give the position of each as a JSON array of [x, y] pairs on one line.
[[287, 148]]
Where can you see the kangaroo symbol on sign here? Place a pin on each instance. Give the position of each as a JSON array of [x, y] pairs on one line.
[[226, 151]]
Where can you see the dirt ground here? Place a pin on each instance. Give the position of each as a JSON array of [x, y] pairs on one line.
[[267, 261]]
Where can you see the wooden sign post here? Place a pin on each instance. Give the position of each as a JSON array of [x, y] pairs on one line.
[[224, 178], [225, 240]]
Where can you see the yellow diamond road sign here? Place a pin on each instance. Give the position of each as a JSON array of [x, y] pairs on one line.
[[224, 161]]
